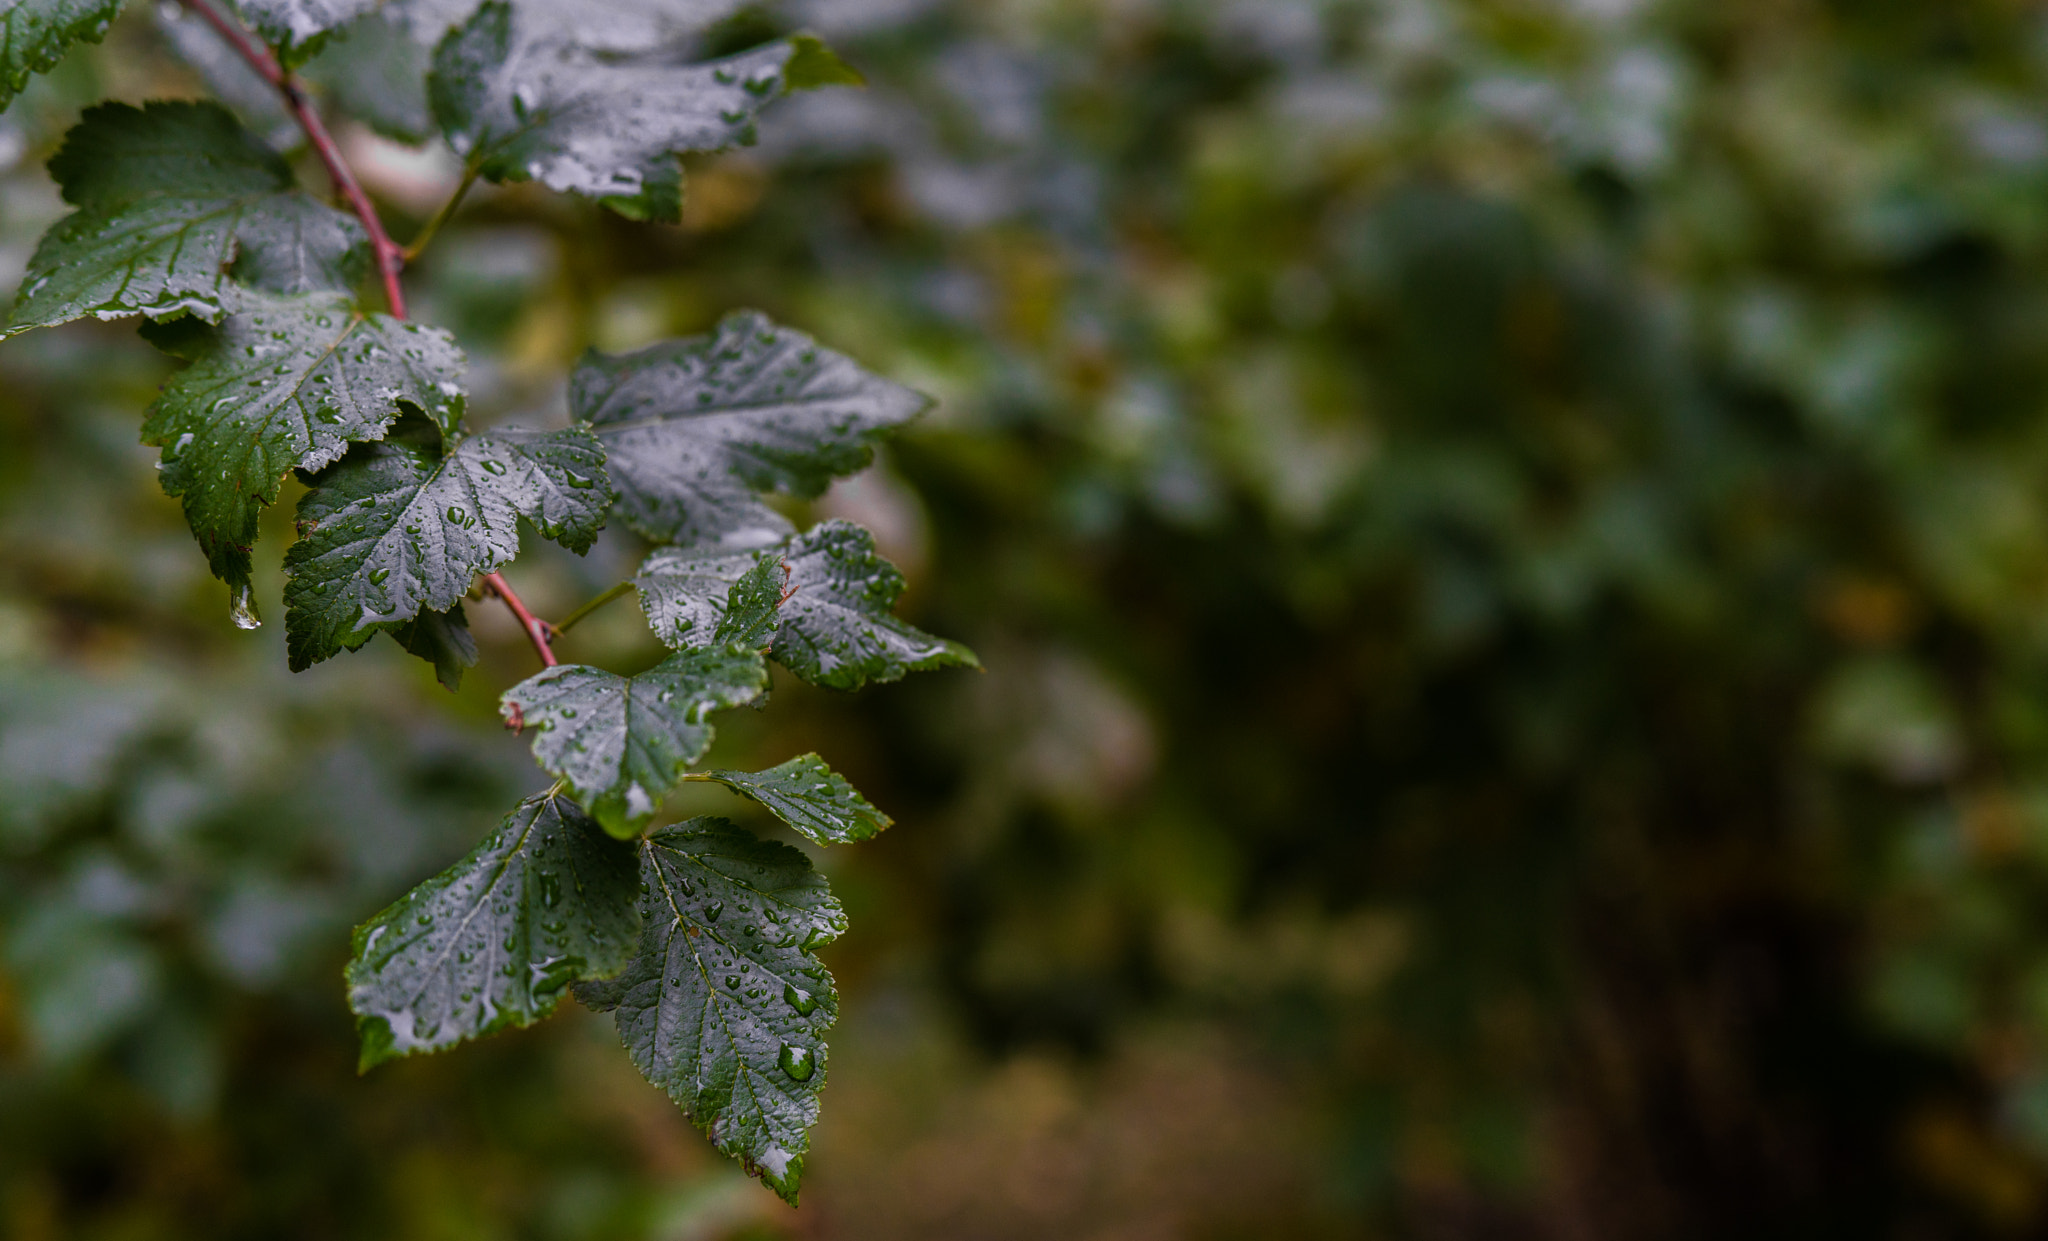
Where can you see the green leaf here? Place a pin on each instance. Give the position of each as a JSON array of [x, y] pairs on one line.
[[376, 72], [750, 610], [288, 386], [723, 1007], [395, 529], [297, 28], [697, 598], [810, 797], [496, 939], [35, 34], [523, 97], [813, 65], [836, 630], [443, 640], [168, 197], [623, 743], [696, 428]]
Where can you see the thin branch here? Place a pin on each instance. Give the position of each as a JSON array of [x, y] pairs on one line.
[[574, 618], [538, 631], [446, 213], [390, 256]]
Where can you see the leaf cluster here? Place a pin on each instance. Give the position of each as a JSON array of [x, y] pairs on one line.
[[699, 936]]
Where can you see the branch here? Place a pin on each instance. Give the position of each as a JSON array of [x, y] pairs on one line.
[[538, 631], [390, 256]]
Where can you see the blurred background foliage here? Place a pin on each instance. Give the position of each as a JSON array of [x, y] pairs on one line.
[[1510, 543]]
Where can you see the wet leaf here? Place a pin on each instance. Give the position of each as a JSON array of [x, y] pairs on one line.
[[696, 429], [169, 197], [698, 598], [811, 798], [287, 385], [623, 743], [496, 940], [528, 97], [723, 1006], [837, 629], [396, 528]]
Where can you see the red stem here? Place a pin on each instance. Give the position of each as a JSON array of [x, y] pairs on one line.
[[536, 628], [390, 256]]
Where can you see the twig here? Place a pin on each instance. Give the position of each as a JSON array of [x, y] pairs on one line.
[[537, 630], [446, 213], [390, 256], [574, 618]]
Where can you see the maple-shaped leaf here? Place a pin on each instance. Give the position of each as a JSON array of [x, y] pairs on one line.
[[297, 28], [837, 628], [402, 527], [623, 743], [287, 386], [528, 97], [810, 797], [696, 429], [169, 197], [496, 940], [724, 1007], [694, 597], [35, 34]]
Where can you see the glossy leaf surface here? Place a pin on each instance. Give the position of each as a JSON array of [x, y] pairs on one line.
[[810, 797], [170, 196], [397, 528], [837, 628], [495, 940], [623, 743], [523, 97], [696, 429], [698, 598], [288, 386], [723, 1006]]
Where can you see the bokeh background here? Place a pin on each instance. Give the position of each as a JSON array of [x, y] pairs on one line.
[[1510, 544]]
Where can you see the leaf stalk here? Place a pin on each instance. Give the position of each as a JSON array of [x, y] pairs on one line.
[[570, 621], [538, 631]]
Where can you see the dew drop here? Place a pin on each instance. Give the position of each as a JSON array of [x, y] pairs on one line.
[[798, 1062], [242, 609]]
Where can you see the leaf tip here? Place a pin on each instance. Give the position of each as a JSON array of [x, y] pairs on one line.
[[377, 1044], [812, 65]]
